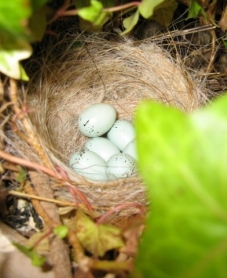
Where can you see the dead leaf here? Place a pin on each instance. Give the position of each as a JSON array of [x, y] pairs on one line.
[[223, 21], [131, 234], [97, 238]]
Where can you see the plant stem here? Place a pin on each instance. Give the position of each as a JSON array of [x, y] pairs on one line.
[[120, 207]]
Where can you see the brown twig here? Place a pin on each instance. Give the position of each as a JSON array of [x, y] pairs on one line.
[[30, 196], [31, 136], [56, 175]]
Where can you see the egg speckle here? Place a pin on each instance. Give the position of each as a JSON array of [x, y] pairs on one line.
[[120, 166], [96, 119], [88, 164]]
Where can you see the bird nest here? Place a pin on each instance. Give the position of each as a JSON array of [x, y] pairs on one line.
[[91, 70]]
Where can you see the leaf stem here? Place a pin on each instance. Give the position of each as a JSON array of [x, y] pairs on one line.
[[120, 207], [108, 10]]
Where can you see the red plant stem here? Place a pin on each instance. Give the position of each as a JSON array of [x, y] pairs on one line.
[[28, 164], [108, 10], [42, 238], [122, 7], [73, 189], [117, 208], [36, 166]]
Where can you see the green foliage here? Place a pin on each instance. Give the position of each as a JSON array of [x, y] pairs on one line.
[[97, 238], [163, 14], [159, 10], [182, 159], [195, 9], [130, 22], [37, 260], [16, 34], [61, 231], [22, 175]]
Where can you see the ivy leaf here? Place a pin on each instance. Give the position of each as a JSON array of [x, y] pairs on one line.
[[37, 260], [92, 12], [11, 56], [130, 22], [195, 9], [164, 12], [61, 231], [182, 159], [97, 238], [147, 7]]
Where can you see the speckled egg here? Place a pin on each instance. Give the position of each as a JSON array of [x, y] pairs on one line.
[[88, 164], [121, 133], [120, 166], [97, 119], [101, 146], [131, 149]]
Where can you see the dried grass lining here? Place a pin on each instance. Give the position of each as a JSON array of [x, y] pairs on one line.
[[96, 70]]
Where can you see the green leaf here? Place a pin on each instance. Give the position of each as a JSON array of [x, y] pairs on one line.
[[92, 12], [37, 260], [224, 41], [97, 238], [195, 9], [11, 56], [182, 159], [37, 4], [40, 17], [22, 175], [13, 18], [130, 22], [61, 231], [148, 7], [164, 13]]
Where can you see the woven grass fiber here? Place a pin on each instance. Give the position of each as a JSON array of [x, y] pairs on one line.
[[89, 70]]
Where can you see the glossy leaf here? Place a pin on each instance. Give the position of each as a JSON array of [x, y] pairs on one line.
[[97, 238], [182, 159]]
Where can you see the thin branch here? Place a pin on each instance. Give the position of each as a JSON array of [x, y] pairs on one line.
[[29, 164], [25, 195]]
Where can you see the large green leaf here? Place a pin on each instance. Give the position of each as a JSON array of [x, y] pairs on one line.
[[13, 18], [10, 59], [182, 159]]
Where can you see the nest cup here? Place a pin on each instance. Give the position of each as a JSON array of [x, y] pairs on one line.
[[93, 70]]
